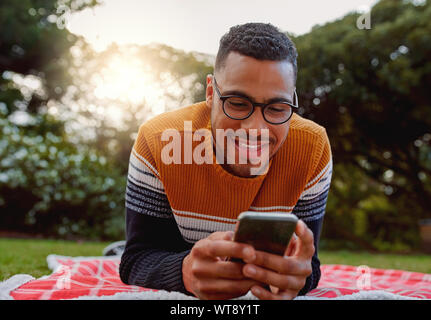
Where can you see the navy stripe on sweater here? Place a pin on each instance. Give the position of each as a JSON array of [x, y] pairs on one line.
[[145, 201]]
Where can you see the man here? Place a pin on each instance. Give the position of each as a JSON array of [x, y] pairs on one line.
[[181, 216]]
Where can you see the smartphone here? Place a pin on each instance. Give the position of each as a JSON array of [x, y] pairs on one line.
[[266, 231]]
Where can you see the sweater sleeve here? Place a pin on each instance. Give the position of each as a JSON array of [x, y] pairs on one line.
[[311, 206], [154, 249], [154, 253]]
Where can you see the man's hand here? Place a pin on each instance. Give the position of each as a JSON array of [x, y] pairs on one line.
[[285, 275], [208, 275]]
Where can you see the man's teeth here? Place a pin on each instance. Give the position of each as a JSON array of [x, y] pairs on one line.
[[248, 146], [244, 145]]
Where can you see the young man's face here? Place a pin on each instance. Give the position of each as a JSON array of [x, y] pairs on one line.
[[261, 80]]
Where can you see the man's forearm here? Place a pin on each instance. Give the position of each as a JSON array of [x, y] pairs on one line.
[[152, 268], [313, 280], [312, 213], [154, 253]]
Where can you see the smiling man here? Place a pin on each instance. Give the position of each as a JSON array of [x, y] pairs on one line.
[[181, 216]]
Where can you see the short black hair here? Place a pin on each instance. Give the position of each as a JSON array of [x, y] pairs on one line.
[[262, 41]]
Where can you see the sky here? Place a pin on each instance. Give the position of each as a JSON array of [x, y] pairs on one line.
[[198, 25]]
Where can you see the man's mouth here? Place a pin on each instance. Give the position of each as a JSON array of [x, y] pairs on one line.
[[250, 149]]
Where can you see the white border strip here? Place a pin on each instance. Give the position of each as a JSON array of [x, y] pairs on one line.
[[12, 283], [166, 295], [363, 295]]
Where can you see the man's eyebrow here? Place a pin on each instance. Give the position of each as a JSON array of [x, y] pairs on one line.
[[243, 94]]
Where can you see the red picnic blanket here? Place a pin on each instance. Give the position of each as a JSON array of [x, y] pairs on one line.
[[94, 277]]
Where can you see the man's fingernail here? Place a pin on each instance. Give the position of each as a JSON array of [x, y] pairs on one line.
[[248, 252], [251, 270]]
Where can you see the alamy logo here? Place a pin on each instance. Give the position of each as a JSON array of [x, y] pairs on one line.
[[364, 21], [63, 281], [241, 147], [363, 282], [63, 17]]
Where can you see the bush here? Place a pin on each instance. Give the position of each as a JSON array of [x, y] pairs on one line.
[[359, 212], [49, 185]]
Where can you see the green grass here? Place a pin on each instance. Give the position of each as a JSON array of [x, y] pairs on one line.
[[29, 256], [416, 262]]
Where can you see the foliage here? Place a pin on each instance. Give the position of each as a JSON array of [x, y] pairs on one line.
[[50, 185], [361, 215], [32, 44], [47, 183], [370, 90]]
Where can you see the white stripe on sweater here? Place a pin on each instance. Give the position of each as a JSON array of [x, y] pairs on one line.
[[286, 208], [136, 154], [194, 226], [203, 216], [143, 176], [324, 180], [321, 173]]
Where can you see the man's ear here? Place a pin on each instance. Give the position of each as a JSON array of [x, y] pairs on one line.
[[209, 91]]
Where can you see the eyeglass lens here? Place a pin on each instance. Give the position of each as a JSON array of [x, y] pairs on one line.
[[240, 108]]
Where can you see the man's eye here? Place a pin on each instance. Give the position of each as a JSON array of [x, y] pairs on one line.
[[272, 109], [238, 103]]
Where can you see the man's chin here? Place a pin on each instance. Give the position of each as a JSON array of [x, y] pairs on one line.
[[245, 170], [239, 170]]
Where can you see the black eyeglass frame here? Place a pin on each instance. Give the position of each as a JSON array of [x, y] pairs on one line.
[[256, 104]]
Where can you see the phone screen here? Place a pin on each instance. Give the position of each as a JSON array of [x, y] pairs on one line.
[[266, 231]]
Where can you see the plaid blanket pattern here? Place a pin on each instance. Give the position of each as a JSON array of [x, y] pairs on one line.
[[340, 280], [75, 277]]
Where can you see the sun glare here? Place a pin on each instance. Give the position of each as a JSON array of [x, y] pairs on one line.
[[128, 80]]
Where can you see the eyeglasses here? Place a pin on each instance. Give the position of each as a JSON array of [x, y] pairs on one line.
[[240, 108]]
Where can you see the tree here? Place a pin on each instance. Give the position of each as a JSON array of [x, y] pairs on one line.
[[370, 90], [47, 183], [31, 43]]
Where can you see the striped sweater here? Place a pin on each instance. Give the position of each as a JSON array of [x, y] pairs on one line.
[[171, 206]]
